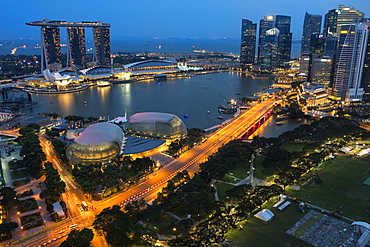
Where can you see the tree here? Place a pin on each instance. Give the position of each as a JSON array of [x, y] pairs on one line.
[[6, 228], [119, 230], [55, 185], [77, 238], [9, 197]]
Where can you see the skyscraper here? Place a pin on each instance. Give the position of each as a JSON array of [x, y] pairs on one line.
[[348, 77], [305, 64], [311, 25], [77, 47], [76, 55], [346, 15], [248, 43], [51, 56], [275, 41], [330, 23], [321, 70], [102, 46]]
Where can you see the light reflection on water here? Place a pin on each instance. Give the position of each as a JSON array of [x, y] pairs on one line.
[[192, 96]]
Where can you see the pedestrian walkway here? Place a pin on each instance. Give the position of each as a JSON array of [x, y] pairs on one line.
[[5, 165]]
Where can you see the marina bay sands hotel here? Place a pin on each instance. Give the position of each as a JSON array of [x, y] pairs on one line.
[[51, 56]]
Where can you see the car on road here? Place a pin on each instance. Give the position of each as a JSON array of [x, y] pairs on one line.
[[61, 231]]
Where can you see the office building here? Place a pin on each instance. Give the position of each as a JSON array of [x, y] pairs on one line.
[[51, 55], [77, 47], [321, 70], [248, 43], [330, 23], [305, 64], [311, 28], [317, 43], [102, 46], [350, 62], [346, 15], [330, 46], [275, 41]]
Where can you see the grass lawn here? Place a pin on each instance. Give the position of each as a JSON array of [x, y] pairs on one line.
[[164, 225], [31, 221], [241, 171], [342, 188], [259, 234], [260, 171], [221, 189], [27, 205], [291, 147]]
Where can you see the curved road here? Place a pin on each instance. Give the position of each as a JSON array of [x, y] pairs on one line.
[[147, 189]]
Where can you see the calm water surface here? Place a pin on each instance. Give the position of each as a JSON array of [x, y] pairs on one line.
[[192, 96]]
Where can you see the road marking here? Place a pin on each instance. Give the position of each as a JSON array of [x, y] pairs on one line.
[[57, 164]]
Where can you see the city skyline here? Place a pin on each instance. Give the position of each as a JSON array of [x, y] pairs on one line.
[[163, 19]]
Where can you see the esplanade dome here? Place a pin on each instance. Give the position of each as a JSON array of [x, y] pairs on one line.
[[98, 143], [156, 125]]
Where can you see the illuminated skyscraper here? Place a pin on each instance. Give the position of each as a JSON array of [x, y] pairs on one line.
[[51, 56], [102, 46], [346, 15], [275, 41], [321, 70], [330, 22], [350, 62], [77, 47], [311, 25], [76, 55], [305, 64], [248, 43]]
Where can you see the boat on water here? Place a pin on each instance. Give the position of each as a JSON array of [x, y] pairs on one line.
[[278, 123], [237, 93], [219, 117], [85, 102], [103, 83], [208, 112]]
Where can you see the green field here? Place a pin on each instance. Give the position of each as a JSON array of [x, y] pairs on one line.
[[342, 188], [259, 234], [260, 171]]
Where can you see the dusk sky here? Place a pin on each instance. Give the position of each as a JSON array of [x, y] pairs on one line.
[[162, 18]]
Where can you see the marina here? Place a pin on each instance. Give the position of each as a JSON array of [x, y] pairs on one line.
[[195, 99]]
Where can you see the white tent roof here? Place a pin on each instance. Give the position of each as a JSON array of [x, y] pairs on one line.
[[361, 223], [264, 215]]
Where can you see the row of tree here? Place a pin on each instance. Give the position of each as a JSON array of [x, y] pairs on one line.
[[116, 174], [31, 150]]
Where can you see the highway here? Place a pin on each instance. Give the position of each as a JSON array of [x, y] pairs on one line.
[[147, 189]]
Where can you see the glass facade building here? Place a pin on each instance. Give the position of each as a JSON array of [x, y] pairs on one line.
[[51, 55], [98, 143], [275, 41], [351, 61], [311, 25], [346, 15], [321, 70], [156, 125], [77, 47], [330, 23], [248, 43], [102, 46]]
